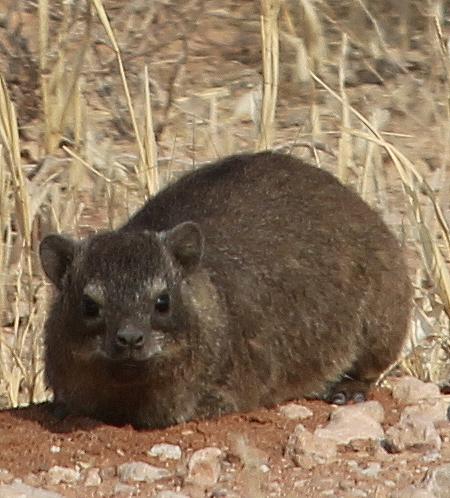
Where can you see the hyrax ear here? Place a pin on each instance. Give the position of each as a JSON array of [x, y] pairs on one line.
[[185, 242], [56, 253]]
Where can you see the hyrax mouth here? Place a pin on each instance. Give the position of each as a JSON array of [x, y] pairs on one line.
[[128, 371]]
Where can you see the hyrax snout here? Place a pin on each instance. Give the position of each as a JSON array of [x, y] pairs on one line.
[[249, 282]]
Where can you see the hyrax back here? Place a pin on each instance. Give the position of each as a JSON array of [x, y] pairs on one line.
[[252, 281]]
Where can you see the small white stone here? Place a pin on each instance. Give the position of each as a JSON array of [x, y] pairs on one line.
[[5, 476], [413, 432], [66, 475], [20, 490], [264, 468], [349, 423], [55, 449], [93, 477], [170, 494], [121, 489], [438, 481], [372, 470], [431, 456], [410, 390], [165, 451], [141, 472], [358, 492], [308, 450], [204, 467], [294, 411], [372, 409], [413, 492]]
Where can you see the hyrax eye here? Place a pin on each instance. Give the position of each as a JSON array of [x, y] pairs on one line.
[[162, 303], [90, 308]]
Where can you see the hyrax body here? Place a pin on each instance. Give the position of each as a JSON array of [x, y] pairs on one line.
[[249, 282]]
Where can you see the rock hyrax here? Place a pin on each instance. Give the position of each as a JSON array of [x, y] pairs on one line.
[[251, 281]]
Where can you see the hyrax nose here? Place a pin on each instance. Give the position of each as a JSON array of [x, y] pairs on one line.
[[130, 336]]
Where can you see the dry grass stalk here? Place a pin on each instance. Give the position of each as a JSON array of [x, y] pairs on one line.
[[367, 180], [78, 111], [381, 46], [316, 131], [72, 93], [150, 167], [107, 26], [287, 18], [305, 30], [59, 86], [313, 35], [9, 136], [5, 216], [270, 51], [345, 140], [43, 52], [301, 66], [19, 262], [86, 164], [405, 20]]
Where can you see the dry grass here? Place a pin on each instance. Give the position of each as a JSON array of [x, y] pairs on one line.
[[270, 50], [114, 77], [16, 256]]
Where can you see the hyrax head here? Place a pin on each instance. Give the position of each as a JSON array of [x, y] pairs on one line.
[[121, 304]]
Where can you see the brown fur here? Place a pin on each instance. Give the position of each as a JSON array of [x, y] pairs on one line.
[[285, 284]]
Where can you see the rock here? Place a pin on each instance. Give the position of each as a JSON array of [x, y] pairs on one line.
[[372, 409], [34, 480], [121, 489], [171, 494], [92, 477], [59, 475], [358, 493], [21, 490], [346, 484], [204, 467], [432, 456], [372, 470], [223, 493], [107, 473], [410, 390], [5, 476], [141, 472], [437, 481], [348, 423], [307, 450], [412, 492], [435, 410], [165, 451], [294, 411], [413, 432]]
